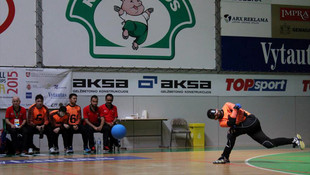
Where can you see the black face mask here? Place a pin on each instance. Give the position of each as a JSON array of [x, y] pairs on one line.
[[221, 115], [211, 113]]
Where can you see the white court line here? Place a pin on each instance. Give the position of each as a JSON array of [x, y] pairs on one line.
[[247, 162]]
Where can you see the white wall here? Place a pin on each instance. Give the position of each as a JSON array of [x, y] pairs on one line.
[[279, 117]]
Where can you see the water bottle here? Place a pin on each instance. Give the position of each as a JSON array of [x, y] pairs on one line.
[[99, 145]]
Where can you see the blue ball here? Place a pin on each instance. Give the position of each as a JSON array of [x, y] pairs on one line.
[[118, 131]]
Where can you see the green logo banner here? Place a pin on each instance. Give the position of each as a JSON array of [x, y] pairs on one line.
[[132, 29]]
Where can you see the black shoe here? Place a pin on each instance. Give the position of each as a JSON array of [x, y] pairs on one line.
[[221, 160], [17, 152], [117, 144], [70, 150], [36, 150], [87, 150]]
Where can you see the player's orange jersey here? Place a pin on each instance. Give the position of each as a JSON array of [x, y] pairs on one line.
[[229, 110], [37, 116], [74, 113], [56, 120]]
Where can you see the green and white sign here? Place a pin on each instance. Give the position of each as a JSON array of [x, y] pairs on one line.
[[127, 29], [129, 33]]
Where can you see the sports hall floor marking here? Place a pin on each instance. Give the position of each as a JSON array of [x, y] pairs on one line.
[[286, 171], [81, 159]]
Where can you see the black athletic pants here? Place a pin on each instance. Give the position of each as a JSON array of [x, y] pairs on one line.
[[31, 130], [251, 126], [108, 139], [55, 136], [91, 138], [17, 136], [82, 130]]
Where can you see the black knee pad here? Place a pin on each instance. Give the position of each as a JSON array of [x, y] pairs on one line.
[[268, 144]]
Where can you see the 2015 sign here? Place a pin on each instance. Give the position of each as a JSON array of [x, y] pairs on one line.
[[11, 81]]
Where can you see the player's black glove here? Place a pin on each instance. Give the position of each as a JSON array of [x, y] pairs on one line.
[[237, 106], [231, 121]]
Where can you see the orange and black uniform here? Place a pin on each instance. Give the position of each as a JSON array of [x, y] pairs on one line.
[[19, 116], [38, 117], [231, 112], [94, 118], [58, 122], [243, 122], [110, 115], [75, 118]]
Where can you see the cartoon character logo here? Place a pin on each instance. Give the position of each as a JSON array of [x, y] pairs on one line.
[[135, 20], [132, 29], [9, 19]]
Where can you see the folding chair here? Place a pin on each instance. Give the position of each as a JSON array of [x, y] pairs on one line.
[[179, 126]]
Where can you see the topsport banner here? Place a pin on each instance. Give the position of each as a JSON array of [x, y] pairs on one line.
[[26, 83], [17, 33], [129, 33], [146, 84]]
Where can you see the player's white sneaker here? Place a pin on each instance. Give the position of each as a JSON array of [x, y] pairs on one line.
[[221, 160], [30, 151], [298, 142], [52, 150], [69, 150]]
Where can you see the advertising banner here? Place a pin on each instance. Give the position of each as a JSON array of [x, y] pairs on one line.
[[245, 19], [17, 33], [265, 36], [158, 34], [146, 84], [26, 83], [141, 84], [291, 21], [265, 54]]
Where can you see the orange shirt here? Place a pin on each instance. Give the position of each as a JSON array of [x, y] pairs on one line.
[[37, 116], [56, 120], [229, 110], [74, 113]]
